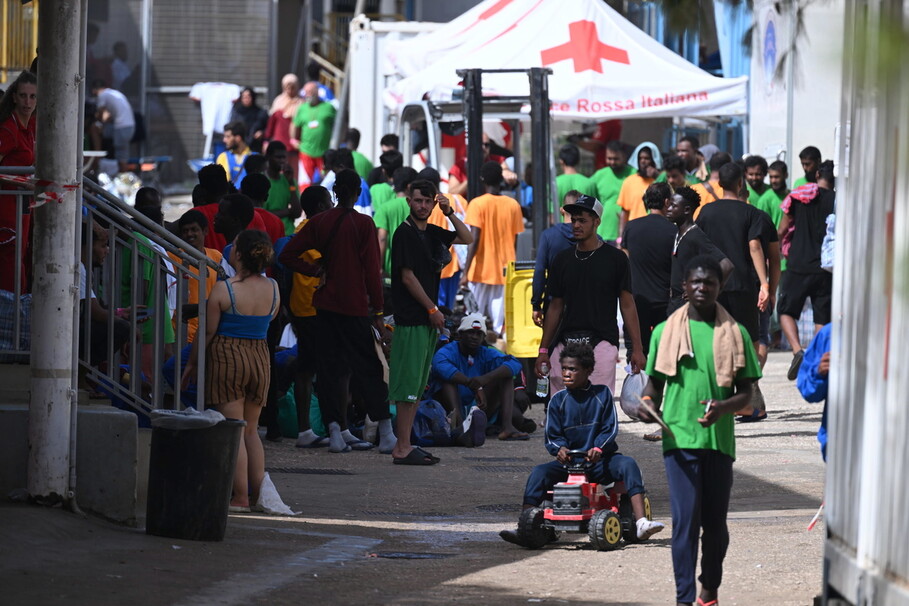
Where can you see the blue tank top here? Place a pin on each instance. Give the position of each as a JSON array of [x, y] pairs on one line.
[[242, 326]]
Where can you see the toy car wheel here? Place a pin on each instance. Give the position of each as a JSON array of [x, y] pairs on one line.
[[647, 512], [629, 523], [553, 533], [605, 530], [531, 531]]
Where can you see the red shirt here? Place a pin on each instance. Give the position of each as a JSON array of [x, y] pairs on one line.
[[216, 240], [17, 142], [352, 285], [17, 146], [274, 226]]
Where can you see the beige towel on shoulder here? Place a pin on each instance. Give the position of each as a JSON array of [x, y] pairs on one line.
[[728, 345]]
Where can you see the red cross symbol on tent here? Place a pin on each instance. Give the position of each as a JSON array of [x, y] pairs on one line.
[[584, 48]]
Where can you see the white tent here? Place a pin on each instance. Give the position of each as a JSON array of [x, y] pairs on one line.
[[603, 65]]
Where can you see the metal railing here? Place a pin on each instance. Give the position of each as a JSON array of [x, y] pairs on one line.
[[142, 284]]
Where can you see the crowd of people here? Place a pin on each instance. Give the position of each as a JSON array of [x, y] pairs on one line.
[[370, 289]]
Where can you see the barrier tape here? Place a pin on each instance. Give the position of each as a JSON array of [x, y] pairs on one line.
[[52, 191]]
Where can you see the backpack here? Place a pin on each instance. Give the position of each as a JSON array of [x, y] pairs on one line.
[[430, 426]]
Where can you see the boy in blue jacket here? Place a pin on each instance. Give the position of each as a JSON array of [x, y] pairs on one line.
[[583, 417]]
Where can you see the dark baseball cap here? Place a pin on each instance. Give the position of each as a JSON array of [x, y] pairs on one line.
[[585, 202]]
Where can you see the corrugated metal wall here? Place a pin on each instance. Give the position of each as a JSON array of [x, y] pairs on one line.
[[200, 41], [867, 555]]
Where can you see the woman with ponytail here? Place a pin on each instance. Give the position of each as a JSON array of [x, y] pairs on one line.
[[237, 363]]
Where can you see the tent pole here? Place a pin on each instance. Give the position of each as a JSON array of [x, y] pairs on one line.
[[540, 145], [473, 113]]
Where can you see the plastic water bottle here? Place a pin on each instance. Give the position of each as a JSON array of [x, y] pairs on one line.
[[543, 382]]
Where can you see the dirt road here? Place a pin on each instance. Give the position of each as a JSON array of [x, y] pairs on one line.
[[372, 532]]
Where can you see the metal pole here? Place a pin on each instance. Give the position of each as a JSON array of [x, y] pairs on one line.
[[473, 122], [147, 15], [53, 242], [301, 43], [345, 87], [541, 146]]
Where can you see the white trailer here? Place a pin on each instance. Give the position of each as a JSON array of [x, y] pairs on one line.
[[802, 107], [369, 76], [866, 555]]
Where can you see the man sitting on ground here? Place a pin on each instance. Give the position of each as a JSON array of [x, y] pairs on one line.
[[583, 417], [471, 371]]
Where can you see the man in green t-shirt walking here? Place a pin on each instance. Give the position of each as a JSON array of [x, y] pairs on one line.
[[569, 157], [706, 364], [311, 132], [608, 182]]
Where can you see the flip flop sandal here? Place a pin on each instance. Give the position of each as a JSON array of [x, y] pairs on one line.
[[415, 457], [426, 453], [517, 436], [755, 416], [710, 603], [317, 443]]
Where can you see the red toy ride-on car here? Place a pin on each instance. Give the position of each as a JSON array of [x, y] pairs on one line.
[[578, 505]]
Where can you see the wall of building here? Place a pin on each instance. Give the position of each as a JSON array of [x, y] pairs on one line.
[[189, 42]]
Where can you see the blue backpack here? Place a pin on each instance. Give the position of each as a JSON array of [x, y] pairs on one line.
[[430, 426]]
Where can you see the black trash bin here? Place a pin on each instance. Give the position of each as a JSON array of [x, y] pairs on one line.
[[190, 479]]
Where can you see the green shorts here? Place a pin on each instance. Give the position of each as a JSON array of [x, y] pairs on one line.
[[412, 348]]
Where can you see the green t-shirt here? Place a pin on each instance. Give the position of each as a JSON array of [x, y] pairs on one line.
[[161, 312], [389, 217], [279, 196], [315, 124], [769, 202], [379, 194], [361, 164], [800, 182], [694, 381], [754, 196], [692, 179], [609, 184], [566, 183]]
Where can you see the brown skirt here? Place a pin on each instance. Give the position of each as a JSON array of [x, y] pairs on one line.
[[235, 369]]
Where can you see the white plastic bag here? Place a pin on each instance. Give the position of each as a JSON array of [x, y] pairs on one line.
[[632, 390], [828, 244], [270, 501]]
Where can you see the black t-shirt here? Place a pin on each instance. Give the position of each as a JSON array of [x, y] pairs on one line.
[[768, 233], [731, 225], [590, 284], [694, 242], [649, 241], [424, 253], [810, 222]]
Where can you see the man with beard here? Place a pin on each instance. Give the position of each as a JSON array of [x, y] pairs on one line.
[[419, 252], [755, 173], [609, 181]]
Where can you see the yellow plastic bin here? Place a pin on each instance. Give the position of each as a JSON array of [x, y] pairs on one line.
[[522, 335]]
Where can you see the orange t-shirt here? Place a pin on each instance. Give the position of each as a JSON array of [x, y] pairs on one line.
[[706, 197], [631, 196], [459, 205], [192, 294], [500, 221]]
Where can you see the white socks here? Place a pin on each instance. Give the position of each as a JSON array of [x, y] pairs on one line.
[[306, 438], [387, 439], [337, 443], [648, 528]]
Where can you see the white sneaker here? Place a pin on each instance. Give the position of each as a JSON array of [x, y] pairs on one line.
[[648, 528]]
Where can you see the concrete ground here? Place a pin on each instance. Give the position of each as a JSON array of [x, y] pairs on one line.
[[373, 532]]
